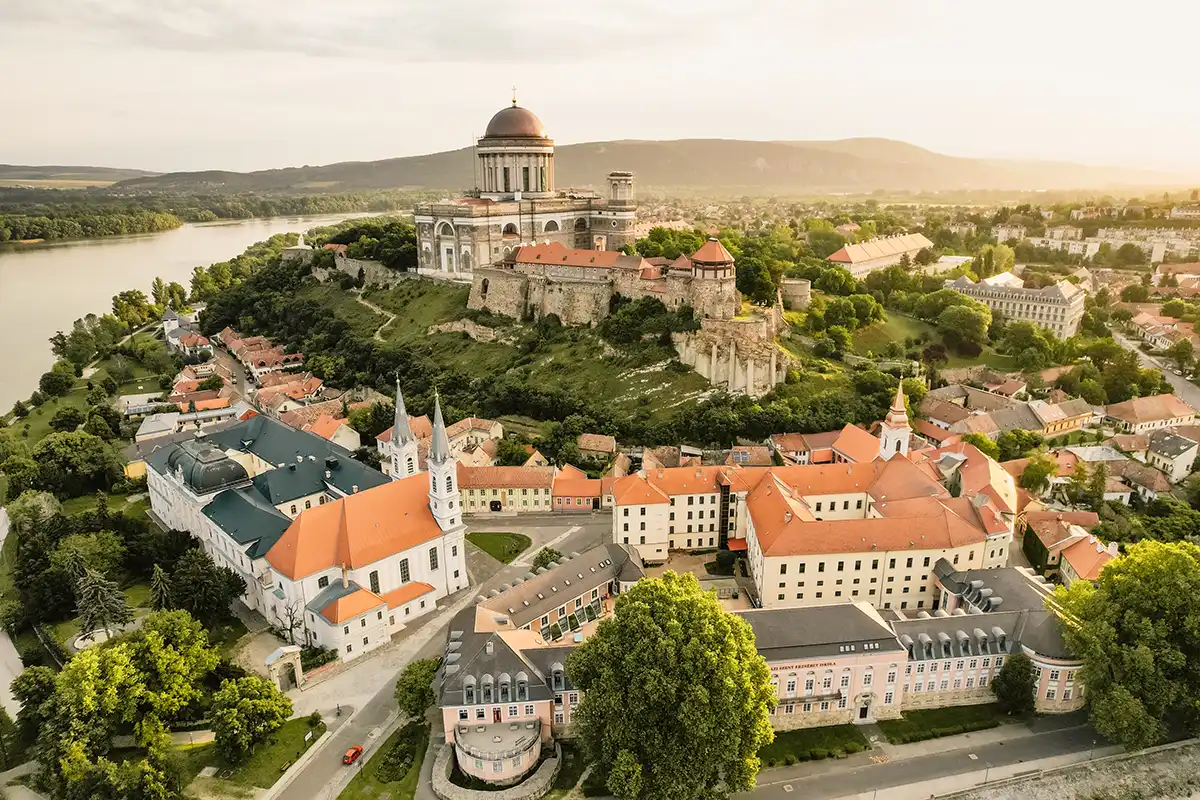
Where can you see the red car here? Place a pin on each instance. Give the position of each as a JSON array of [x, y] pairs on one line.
[[352, 754]]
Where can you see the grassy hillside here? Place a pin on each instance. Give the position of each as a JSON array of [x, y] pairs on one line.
[[576, 359], [754, 167], [65, 177]]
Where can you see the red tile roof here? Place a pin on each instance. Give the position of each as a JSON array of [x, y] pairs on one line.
[[350, 606]]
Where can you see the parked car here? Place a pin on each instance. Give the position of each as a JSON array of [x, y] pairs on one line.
[[352, 754]]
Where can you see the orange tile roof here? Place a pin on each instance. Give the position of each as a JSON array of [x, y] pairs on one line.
[[856, 444], [1150, 409], [406, 593], [326, 427], [357, 530], [596, 442], [466, 425], [784, 526], [421, 427], [790, 442], [206, 405], [570, 472], [1088, 557], [636, 490], [556, 253], [350, 606], [504, 477], [937, 434], [712, 252]]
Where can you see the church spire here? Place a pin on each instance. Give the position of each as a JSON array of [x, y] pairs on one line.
[[896, 431], [401, 430], [439, 452]]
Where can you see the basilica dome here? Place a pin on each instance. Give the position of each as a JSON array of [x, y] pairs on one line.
[[515, 122]]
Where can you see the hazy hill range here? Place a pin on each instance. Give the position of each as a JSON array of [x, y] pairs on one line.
[[848, 165], [65, 177]]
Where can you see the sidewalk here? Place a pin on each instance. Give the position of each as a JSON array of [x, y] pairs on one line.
[[881, 750]]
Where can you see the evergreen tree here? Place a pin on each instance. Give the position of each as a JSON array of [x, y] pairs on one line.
[[160, 589], [100, 602], [1014, 686]]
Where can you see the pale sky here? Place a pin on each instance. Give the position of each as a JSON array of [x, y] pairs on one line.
[[253, 84]]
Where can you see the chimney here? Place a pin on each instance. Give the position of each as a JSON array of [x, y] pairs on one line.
[[299, 459], [787, 516], [489, 647], [328, 474], [354, 489], [345, 578]]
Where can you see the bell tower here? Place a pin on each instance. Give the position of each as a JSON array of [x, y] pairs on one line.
[[896, 431]]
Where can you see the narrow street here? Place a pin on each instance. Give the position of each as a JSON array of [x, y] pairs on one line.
[[1185, 390], [369, 686]]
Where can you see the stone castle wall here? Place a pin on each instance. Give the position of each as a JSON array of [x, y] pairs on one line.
[[796, 293], [533, 787], [373, 272]]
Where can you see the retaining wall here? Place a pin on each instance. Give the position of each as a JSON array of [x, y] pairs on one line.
[[533, 787]]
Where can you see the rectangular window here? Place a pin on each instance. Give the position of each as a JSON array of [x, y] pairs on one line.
[[818, 505], [374, 579], [462, 715], [507, 181], [404, 575], [783, 569], [322, 581], [867, 679], [433, 558]]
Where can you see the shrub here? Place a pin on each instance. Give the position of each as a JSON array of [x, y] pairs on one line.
[[819, 752], [853, 747], [770, 762], [314, 719], [395, 763], [789, 760], [838, 753]]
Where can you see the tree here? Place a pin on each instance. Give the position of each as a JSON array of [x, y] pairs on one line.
[[20, 410], [173, 656], [545, 557], [510, 453], [1014, 687], [1183, 353], [211, 383], [55, 384], [245, 711], [32, 688], [1135, 630], [132, 308], [984, 445], [67, 418], [72, 463], [100, 603], [101, 552], [160, 589], [414, 687], [1135, 293], [671, 663], [1038, 472], [1096, 486], [204, 589], [963, 326]]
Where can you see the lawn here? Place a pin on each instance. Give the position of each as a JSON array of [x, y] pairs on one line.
[[273, 756], [361, 319], [78, 505], [367, 785], [515, 423], [137, 597], [813, 743], [503, 547], [569, 772], [931, 723], [896, 328], [418, 305]]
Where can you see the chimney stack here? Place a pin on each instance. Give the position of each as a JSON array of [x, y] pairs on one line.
[[345, 578]]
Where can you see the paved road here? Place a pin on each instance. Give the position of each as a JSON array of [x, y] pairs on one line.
[[10, 661], [425, 641], [1185, 390], [921, 771]]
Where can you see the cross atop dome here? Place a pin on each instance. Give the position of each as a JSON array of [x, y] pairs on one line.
[[514, 88]]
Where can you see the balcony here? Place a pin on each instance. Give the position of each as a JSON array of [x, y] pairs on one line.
[[498, 741]]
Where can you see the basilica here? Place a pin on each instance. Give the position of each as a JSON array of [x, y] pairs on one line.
[[516, 201]]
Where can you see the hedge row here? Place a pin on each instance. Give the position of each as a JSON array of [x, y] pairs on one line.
[[920, 735], [816, 754]]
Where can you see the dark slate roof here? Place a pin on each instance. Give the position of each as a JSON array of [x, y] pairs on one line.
[[205, 468], [140, 450], [816, 631], [934, 637], [247, 518], [279, 444], [466, 657], [331, 593], [540, 593], [1168, 444]]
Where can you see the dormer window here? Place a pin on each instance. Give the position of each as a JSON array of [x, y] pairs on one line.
[[468, 692]]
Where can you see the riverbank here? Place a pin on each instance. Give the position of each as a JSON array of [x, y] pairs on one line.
[[45, 287]]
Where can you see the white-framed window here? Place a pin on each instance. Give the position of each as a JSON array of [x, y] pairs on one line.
[[463, 715], [529, 712], [1051, 693], [841, 702], [887, 698]]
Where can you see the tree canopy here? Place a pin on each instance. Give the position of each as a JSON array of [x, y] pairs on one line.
[[1136, 631], [676, 698]]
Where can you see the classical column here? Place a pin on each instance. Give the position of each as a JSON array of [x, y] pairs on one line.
[[750, 377]]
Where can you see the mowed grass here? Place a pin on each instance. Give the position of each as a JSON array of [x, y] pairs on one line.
[[418, 304], [896, 328], [933, 722], [361, 319], [503, 547], [801, 744], [274, 756]]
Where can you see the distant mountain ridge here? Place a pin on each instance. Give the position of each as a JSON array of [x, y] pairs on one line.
[[48, 172], [846, 165]]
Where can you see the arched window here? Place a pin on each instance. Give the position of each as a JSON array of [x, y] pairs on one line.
[[486, 687], [449, 484], [468, 691], [581, 224], [510, 229], [522, 686], [433, 482], [504, 688], [445, 230], [551, 227], [897, 445], [409, 465]]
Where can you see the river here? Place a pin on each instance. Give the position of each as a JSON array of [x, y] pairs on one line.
[[45, 287]]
